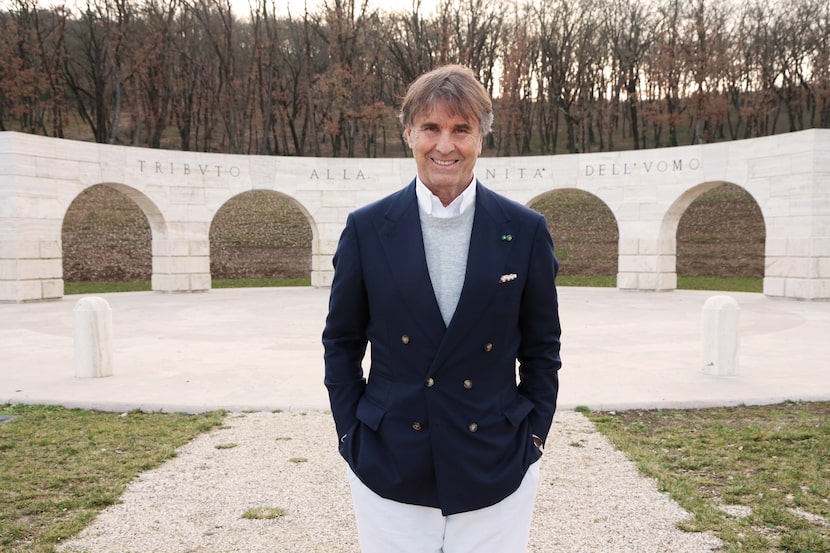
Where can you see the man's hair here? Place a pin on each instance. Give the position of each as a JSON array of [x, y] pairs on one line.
[[453, 86]]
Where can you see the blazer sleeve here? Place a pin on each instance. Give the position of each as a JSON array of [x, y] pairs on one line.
[[538, 353], [345, 332]]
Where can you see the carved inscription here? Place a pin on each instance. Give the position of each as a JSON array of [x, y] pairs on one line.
[[187, 169], [330, 174], [641, 167]]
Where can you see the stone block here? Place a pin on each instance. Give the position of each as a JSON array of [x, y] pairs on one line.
[[779, 165], [628, 281], [171, 283], [199, 247], [59, 169], [51, 248], [10, 291], [774, 287], [52, 288], [321, 262], [800, 288], [775, 247], [630, 246], [639, 263], [9, 269], [36, 269], [200, 283], [322, 279]]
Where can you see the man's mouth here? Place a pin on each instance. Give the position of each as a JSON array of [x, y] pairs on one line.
[[443, 162]]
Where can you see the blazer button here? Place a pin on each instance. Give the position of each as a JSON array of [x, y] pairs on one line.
[[416, 426], [430, 382], [404, 339], [488, 347], [473, 427], [468, 384]]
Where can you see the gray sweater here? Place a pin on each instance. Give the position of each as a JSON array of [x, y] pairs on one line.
[[446, 244]]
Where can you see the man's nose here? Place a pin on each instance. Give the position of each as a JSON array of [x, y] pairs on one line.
[[445, 143]]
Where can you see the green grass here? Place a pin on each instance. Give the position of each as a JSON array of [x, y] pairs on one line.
[[72, 288], [92, 287], [726, 284], [771, 459], [59, 467], [264, 513], [259, 282], [587, 281]]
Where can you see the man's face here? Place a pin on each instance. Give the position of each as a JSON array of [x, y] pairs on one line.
[[445, 148]]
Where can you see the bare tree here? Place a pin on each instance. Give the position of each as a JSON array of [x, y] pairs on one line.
[[626, 29], [95, 68], [514, 117], [32, 48]]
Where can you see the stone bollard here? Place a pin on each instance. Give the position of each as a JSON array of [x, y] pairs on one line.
[[720, 336], [93, 338]]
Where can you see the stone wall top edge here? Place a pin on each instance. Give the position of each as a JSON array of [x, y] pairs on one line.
[[9, 140]]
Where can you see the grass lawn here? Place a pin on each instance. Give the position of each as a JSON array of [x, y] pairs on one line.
[[757, 477], [725, 284], [60, 467]]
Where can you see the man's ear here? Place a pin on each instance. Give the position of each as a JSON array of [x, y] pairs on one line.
[[407, 132]]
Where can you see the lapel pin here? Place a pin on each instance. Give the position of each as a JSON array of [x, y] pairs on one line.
[[506, 237], [508, 278]]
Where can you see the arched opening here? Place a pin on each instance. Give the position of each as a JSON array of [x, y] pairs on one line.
[[260, 234], [721, 235], [106, 237], [585, 235]]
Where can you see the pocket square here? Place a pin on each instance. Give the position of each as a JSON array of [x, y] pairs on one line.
[[508, 277]]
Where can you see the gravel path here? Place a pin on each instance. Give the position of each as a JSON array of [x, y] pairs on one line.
[[591, 498]]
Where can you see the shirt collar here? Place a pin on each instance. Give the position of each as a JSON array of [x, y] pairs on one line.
[[431, 205]]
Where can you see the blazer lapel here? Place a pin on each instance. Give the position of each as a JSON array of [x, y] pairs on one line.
[[403, 244], [490, 247]]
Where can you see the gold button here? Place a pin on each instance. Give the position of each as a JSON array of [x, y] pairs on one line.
[[416, 426], [405, 339], [430, 382], [468, 384], [473, 427], [488, 347]]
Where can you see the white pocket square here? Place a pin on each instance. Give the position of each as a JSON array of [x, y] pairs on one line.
[[508, 277]]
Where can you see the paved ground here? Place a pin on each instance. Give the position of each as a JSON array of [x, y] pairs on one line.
[[259, 349]]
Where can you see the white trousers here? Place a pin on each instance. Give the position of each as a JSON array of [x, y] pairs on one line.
[[385, 526]]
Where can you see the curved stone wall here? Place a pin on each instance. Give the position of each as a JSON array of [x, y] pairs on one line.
[[647, 191]]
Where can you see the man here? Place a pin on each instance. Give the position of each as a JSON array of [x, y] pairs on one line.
[[451, 284]]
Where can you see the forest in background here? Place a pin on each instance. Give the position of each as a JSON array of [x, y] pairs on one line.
[[568, 76]]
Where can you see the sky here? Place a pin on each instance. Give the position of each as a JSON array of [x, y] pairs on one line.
[[241, 7]]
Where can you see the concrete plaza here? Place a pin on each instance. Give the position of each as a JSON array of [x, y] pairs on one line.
[[260, 349]]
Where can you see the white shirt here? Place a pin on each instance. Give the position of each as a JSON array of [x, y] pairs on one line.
[[431, 205]]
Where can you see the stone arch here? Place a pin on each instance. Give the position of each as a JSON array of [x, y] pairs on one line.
[[727, 225], [134, 200], [585, 231], [680, 207], [271, 231]]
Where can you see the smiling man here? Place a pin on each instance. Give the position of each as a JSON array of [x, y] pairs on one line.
[[450, 284]]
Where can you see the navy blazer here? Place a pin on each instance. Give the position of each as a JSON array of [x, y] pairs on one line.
[[441, 420]]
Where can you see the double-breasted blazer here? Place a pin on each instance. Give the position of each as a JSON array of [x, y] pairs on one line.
[[442, 419]]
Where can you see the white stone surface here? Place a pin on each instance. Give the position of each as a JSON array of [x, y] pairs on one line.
[[93, 337], [721, 315]]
